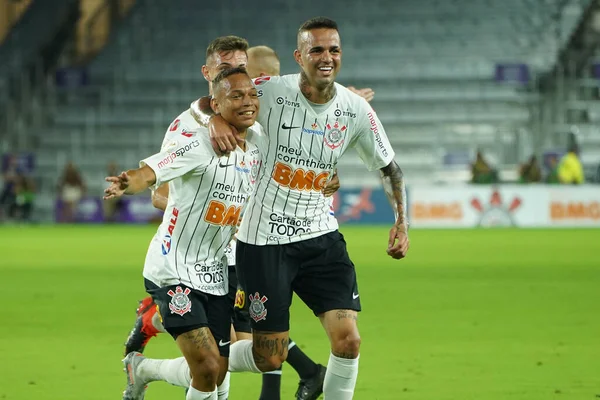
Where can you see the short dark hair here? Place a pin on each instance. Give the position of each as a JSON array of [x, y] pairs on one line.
[[226, 73], [317, 23], [226, 43]]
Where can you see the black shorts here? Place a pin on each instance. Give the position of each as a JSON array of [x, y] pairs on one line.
[[319, 270], [240, 318], [183, 309]]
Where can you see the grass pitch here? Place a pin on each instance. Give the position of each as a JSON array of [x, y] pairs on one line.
[[478, 314]]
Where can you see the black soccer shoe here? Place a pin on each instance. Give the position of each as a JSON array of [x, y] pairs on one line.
[[312, 388]]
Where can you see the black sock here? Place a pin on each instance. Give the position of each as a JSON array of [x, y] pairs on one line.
[[304, 366], [271, 385]]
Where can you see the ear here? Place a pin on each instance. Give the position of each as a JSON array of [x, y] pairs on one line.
[[214, 105], [205, 73], [298, 57]]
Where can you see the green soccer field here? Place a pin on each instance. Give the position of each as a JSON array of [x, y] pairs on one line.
[[481, 314]]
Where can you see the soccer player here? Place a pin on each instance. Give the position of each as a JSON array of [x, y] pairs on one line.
[[288, 240], [223, 52], [186, 268]]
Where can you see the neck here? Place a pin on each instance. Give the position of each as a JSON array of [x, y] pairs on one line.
[[316, 95], [242, 136]]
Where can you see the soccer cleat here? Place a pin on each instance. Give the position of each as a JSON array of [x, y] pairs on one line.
[[136, 387], [312, 388], [143, 329]]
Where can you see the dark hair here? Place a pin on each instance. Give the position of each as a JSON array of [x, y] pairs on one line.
[[226, 43], [317, 23], [226, 73]]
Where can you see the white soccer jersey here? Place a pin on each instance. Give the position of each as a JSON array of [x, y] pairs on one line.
[[304, 148], [207, 195]]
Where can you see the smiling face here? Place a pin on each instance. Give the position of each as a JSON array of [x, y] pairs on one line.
[[319, 54], [236, 99]]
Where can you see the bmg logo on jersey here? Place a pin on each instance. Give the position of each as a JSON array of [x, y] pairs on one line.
[[283, 101], [166, 244]]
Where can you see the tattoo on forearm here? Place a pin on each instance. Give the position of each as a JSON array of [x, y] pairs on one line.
[[344, 314], [393, 184], [201, 338], [313, 95]]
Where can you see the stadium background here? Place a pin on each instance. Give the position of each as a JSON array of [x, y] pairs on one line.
[[472, 313]]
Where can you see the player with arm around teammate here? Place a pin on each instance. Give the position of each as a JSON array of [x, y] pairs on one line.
[[186, 270], [288, 230]]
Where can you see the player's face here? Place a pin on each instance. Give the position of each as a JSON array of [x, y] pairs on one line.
[[218, 62], [238, 101], [320, 55]]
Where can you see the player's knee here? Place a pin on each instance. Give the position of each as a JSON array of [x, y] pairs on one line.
[[271, 363], [346, 345], [268, 359], [205, 368]]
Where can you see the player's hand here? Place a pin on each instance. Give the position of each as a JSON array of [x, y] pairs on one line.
[[398, 243], [118, 186], [365, 93], [332, 186], [223, 137]]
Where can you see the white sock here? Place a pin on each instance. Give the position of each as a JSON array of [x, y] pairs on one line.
[[340, 378], [223, 388], [241, 358], [156, 322], [176, 371], [194, 394]]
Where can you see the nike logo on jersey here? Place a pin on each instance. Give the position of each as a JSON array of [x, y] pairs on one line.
[[224, 165], [284, 126], [222, 343], [355, 296]]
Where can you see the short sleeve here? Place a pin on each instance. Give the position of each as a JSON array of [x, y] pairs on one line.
[[177, 158], [371, 141]]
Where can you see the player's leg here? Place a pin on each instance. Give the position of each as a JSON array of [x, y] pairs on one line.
[[220, 311], [147, 325], [266, 279], [185, 316], [311, 374], [271, 380], [327, 284]]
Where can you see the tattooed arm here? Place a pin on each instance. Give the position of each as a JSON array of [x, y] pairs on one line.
[[393, 184]]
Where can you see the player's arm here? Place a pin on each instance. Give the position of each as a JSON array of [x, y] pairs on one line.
[[332, 186], [393, 184], [130, 182], [160, 197], [375, 150], [223, 137], [365, 93]]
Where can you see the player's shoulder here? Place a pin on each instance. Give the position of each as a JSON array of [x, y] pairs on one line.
[[183, 129], [349, 97], [289, 81], [184, 125]]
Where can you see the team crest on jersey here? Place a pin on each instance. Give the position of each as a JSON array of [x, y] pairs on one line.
[[258, 311], [254, 168], [334, 137], [180, 302]]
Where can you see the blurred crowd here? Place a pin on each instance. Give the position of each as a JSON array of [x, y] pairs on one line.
[[18, 189], [566, 169]]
